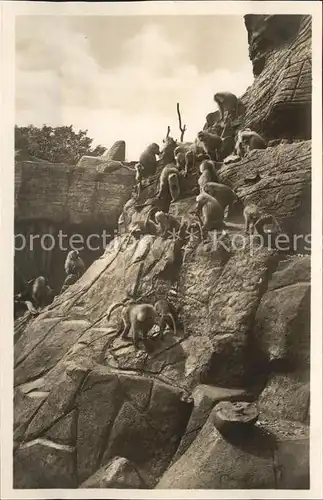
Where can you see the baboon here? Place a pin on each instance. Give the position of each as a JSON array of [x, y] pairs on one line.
[[227, 102], [127, 213], [211, 119], [212, 212], [139, 176], [202, 156], [167, 154], [136, 319], [247, 141], [173, 185], [189, 222], [167, 223], [251, 214], [240, 146], [212, 143], [186, 157], [140, 226], [208, 173], [223, 194], [189, 161], [74, 264], [255, 218], [69, 280], [167, 314], [228, 147], [179, 156], [264, 220], [42, 294], [164, 186], [148, 159], [161, 202]]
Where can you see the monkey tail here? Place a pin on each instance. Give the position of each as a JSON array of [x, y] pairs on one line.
[[275, 221], [150, 211], [112, 308], [174, 323], [129, 168]]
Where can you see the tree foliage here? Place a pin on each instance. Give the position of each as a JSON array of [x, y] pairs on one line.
[[55, 144]]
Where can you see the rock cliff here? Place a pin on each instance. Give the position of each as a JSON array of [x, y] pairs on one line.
[[92, 411], [49, 198]]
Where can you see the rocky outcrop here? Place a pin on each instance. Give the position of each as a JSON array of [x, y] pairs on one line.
[[278, 179], [118, 473], [111, 160], [70, 195], [61, 201], [278, 103], [278, 446], [101, 415], [70, 356], [116, 152]]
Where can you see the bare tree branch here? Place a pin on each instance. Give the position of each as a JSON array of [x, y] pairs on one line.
[[167, 135], [182, 128]]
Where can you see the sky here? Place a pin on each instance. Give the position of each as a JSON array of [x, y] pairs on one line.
[[121, 77]]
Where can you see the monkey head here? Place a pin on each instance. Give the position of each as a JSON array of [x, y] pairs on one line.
[[154, 148], [203, 156], [160, 216], [206, 166], [201, 136], [218, 97], [211, 118], [74, 254], [169, 141], [139, 171], [139, 167], [168, 149]]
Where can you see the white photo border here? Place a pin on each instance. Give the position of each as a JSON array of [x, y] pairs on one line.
[[9, 10]]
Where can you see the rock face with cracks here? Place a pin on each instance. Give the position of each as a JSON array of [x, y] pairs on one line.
[[90, 410], [278, 104]]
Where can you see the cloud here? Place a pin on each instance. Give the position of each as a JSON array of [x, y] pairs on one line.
[[60, 81]]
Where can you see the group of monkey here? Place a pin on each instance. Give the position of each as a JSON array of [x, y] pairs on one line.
[[38, 294], [216, 139], [213, 200], [203, 156]]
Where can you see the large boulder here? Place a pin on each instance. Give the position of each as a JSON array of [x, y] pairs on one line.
[[116, 152], [256, 459], [205, 398], [100, 415]]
